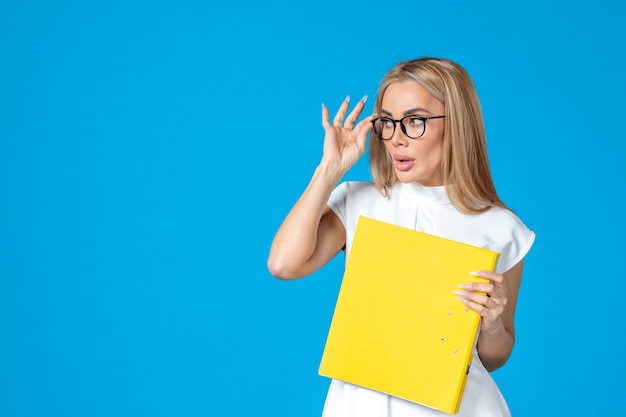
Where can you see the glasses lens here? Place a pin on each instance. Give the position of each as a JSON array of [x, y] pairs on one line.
[[384, 128], [414, 126]]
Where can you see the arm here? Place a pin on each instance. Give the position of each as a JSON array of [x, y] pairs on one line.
[[495, 302], [312, 234]]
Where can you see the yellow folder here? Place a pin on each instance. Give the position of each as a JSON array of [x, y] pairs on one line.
[[398, 328]]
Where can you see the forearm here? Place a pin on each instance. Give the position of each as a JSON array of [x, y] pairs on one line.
[[296, 240], [495, 344]]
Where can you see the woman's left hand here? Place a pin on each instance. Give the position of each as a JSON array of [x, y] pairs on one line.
[[487, 299]]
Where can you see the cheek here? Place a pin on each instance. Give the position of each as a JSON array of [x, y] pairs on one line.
[[435, 146], [437, 153], [429, 153]]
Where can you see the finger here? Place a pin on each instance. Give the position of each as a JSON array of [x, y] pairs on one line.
[[361, 130], [482, 293], [325, 116], [482, 287], [477, 307], [495, 297], [363, 127], [489, 310], [341, 113], [494, 277], [474, 297], [351, 120]]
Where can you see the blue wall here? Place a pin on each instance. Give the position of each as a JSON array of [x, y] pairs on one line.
[[150, 149]]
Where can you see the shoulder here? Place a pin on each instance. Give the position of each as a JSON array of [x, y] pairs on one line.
[[502, 219], [501, 216], [356, 187], [353, 190], [498, 229], [351, 199], [505, 231]]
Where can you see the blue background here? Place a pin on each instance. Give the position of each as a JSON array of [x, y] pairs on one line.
[[150, 149]]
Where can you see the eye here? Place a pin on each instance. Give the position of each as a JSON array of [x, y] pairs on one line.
[[415, 121], [386, 123]]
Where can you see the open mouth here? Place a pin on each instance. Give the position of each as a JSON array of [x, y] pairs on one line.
[[402, 158]]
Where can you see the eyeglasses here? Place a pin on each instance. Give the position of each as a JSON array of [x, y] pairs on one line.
[[412, 126]]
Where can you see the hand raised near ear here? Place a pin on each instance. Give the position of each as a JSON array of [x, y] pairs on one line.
[[344, 142]]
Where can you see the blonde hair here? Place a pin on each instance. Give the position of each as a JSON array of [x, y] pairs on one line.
[[465, 166]]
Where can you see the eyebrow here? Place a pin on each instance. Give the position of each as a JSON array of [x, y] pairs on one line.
[[410, 111]]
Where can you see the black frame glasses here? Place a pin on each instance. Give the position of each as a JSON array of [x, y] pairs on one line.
[[378, 125]]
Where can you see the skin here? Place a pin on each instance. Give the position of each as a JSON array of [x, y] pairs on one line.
[[425, 153], [311, 234]]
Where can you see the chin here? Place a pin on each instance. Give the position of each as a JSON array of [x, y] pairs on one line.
[[406, 178]]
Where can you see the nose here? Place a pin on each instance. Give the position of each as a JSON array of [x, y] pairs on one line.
[[399, 138]]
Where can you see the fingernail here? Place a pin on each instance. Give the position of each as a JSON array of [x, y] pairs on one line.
[[465, 286], [323, 105], [364, 99], [460, 294], [347, 99], [476, 273]]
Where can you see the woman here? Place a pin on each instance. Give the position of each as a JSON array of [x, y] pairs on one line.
[[429, 163]]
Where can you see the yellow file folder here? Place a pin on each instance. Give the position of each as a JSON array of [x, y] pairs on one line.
[[398, 328]]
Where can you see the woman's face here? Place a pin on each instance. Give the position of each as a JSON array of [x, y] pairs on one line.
[[415, 160]]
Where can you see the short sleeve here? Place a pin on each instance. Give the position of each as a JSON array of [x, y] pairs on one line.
[[518, 247], [507, 234], [337, 201]]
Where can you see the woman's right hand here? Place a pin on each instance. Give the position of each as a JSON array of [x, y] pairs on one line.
[[344, 143]]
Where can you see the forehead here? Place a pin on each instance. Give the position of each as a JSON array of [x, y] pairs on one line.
[[401, 96]]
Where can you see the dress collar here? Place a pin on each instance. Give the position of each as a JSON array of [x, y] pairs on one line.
[[424, 194]]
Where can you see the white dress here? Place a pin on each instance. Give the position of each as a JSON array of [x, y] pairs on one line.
[[427, 209]]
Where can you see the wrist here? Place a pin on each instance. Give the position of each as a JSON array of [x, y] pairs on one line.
[[492, 328], [329, 172]]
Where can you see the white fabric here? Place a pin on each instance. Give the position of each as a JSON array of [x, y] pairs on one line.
[[427, 209]]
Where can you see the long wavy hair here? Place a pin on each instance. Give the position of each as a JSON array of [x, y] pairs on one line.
[[465, 165]]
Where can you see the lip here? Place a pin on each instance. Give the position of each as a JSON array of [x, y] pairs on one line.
[[403, 162]]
